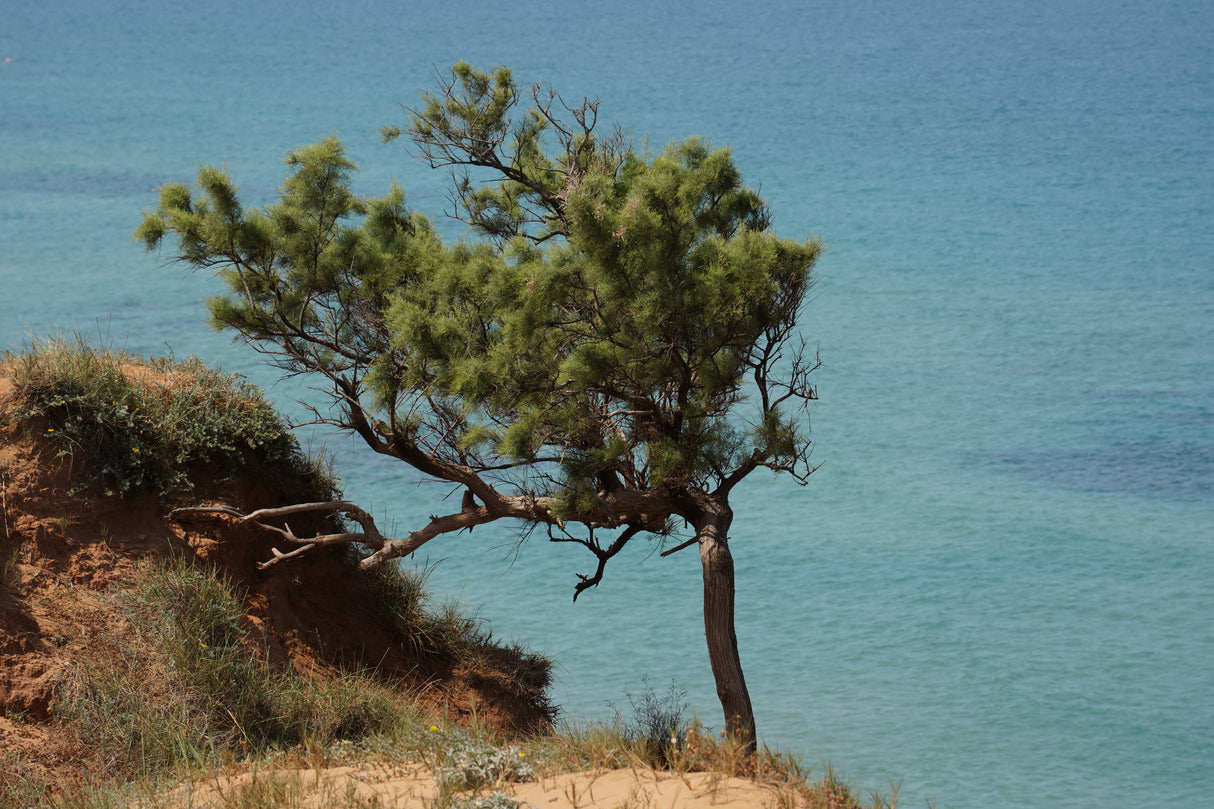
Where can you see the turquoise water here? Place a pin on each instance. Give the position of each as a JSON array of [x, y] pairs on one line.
[[997, 589]]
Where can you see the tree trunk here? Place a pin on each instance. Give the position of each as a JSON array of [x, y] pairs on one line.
[[719, 629]]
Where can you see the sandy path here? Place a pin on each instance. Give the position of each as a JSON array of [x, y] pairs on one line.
[[403, 787]]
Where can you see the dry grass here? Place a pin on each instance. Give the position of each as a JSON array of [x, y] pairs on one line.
[[433, 766], [183, 685]]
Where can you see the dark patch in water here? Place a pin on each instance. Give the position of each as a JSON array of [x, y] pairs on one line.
[[92, 183], [1143, 469]]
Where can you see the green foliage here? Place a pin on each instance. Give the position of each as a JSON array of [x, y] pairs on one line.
[[142, 424], [467, 762], [473, 122], [664, 293], [300, 259], [494, 800]]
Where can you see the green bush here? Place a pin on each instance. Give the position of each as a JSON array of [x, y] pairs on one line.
[[138, 424]]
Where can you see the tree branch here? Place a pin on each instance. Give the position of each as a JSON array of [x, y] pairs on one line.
[[602, 554], [370, 537]]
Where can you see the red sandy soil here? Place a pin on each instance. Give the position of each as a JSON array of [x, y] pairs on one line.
[[74, 551]]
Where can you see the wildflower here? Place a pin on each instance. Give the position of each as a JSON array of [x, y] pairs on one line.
[[433, 728]]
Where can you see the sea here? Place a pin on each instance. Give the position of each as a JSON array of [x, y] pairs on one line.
[[998, 588]]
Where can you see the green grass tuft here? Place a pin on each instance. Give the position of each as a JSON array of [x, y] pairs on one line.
[[402, 596], [189, 686]]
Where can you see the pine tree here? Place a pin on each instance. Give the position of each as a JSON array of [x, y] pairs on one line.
[[608, 356]]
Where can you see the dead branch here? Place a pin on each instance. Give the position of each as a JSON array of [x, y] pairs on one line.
[[369, 536], [384, 548], [601, 553]]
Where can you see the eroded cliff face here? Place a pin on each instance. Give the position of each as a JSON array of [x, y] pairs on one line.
[[68, 553]]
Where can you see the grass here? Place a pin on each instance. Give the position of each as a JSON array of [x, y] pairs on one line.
[[445, 629], [186, 686], [286, 730], [135, 432]]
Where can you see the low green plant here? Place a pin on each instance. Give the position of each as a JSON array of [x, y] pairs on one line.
[[657, 729], [494, 800], [467, 762], [133, 430], [472, 763]]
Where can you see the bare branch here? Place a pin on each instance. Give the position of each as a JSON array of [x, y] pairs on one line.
[[680, 546], [369, 537], [601, 553]]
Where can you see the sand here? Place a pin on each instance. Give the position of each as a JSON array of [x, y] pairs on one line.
[[405, 787]]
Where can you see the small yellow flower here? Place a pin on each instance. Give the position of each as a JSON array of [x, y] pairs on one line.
[[203, 645], [433, 728], [134, 449], [50, 429]]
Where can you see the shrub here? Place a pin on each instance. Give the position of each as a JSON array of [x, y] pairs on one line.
[[138, 424], [473, 764], [658, 726]]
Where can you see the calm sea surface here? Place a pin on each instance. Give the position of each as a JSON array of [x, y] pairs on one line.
[[997, 589]]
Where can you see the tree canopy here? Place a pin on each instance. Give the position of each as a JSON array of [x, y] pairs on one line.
[[609, 351]]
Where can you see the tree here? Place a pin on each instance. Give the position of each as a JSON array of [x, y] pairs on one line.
[[608, 356]]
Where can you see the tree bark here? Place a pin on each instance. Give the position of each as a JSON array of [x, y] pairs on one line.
[[717, 561]]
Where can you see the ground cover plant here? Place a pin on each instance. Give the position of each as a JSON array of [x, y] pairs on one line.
[[146, 430]]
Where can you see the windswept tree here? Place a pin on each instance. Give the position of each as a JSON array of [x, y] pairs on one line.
[[607, 356]]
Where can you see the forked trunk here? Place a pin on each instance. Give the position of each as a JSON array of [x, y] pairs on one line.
[[719, 629]]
